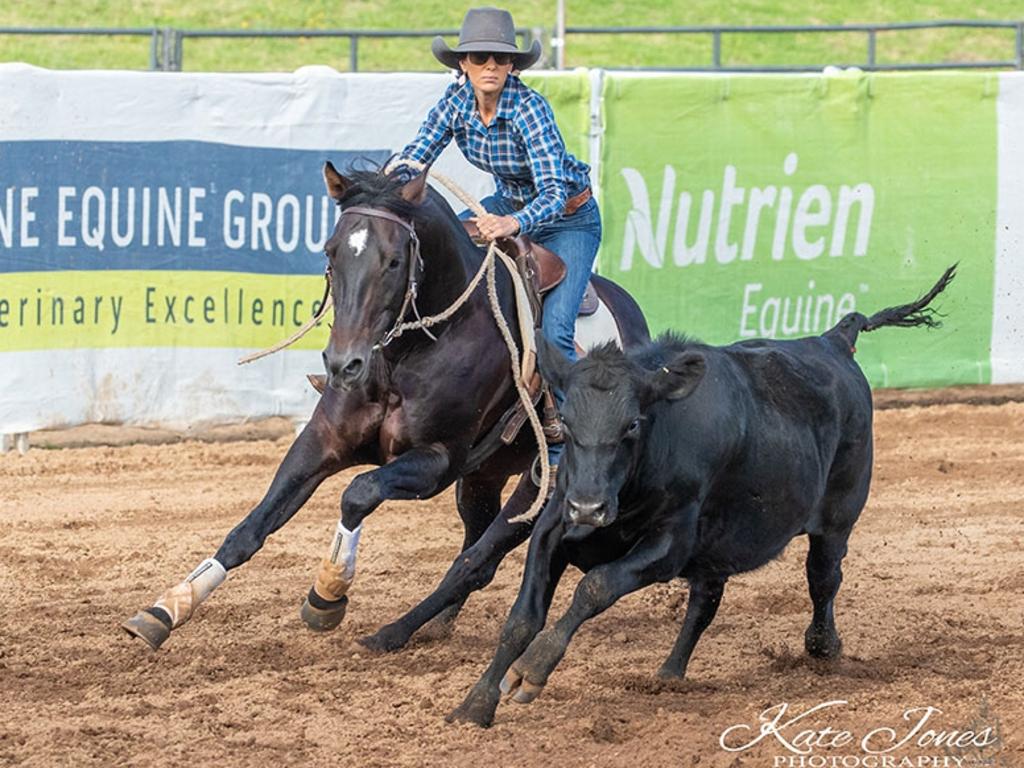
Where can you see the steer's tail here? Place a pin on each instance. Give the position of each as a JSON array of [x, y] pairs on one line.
[[906, 315]]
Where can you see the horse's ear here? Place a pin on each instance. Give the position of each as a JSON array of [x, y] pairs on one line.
[[415, 191], [336, 184]]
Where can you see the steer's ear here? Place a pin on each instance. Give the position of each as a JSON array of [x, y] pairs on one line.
[[678, 378], [554, 366], [336, 184], [415, 191]]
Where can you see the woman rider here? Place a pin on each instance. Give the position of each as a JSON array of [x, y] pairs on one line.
[[506, 128]]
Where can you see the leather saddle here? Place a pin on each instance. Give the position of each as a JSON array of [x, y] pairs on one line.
[[541, 268]]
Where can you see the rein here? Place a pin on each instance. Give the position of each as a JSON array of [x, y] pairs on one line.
[[521, 371]]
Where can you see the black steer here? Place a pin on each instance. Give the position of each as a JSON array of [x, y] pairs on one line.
[[693, 461]]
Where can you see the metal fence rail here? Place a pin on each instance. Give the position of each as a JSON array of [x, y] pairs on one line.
[[352, 35], [156, 37], [167, 44], [870, 30]]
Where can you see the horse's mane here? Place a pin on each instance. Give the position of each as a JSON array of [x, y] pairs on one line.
[[373, 188]]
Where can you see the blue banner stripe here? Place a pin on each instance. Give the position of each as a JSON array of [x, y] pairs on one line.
[[166, 205]]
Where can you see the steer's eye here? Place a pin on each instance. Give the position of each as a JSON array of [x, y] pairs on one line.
[[634, 427]]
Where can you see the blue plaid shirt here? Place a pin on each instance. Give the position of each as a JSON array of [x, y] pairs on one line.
[[521, 147]]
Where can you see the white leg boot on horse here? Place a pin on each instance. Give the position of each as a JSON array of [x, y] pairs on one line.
[[175, 606], [324, 607]]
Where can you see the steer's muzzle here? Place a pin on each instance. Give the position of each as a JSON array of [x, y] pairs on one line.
[[348, 370], [588, 512]]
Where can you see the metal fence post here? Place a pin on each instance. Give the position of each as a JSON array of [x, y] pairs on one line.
[[716, 49], [1020, 45], [179, 50], [871, 48], [154, 58], [353, 54], [168, 52]]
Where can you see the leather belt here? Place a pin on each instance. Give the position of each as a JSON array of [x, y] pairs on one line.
[[576, 202], [572, 205]]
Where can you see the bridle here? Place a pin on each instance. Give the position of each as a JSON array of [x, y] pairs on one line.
[[487, 268], [415, 267]]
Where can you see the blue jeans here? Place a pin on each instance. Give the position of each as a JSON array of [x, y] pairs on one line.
[[575, 239]]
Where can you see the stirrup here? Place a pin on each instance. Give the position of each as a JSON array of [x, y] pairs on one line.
[[551, 421], [552, 476]]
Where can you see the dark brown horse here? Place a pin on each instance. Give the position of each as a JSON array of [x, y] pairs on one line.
[[414, 406]]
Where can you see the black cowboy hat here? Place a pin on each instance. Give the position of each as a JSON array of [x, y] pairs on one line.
[[489, 30]]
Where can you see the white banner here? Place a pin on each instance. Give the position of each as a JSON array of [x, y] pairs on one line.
[[180, 202], [154, 227]]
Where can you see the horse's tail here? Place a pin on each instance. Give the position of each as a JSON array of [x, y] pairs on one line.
[[906, 315]]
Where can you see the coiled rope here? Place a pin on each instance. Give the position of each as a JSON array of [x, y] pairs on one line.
[[521, 369]]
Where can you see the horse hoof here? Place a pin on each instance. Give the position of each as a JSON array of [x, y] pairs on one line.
[[147, 627], [323, 619]]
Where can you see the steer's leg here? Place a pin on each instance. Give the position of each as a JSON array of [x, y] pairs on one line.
[[322, 449], [417, 473], [701, 606], [655, 558], [545, 563], [473, 569], [824, 575]]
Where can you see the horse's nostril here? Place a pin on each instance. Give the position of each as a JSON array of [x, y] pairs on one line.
[[354, 367]]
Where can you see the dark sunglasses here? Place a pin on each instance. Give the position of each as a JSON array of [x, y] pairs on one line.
[[479, 58]]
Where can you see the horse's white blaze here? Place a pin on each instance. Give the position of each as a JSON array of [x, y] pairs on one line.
[[357, 241], [343, 549]]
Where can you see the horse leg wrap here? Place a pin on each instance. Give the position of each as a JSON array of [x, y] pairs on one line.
[[338, 569], [181, 600]]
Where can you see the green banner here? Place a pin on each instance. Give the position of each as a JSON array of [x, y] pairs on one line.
[[743, 206]]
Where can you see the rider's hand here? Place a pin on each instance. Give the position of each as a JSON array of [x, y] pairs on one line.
[[492, 227]]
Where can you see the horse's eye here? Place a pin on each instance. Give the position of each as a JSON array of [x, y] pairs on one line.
[[634, 427], [394, 264]]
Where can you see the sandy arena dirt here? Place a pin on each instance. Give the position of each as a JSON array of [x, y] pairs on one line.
[[931, 613]]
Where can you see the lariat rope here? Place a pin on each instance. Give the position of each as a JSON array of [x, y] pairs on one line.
[[324, 306], [488, 268]]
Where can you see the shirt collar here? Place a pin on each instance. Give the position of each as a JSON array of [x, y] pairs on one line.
[[508, 102]]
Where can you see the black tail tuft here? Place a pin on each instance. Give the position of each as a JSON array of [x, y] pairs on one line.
[[906, 315], [918, 313]]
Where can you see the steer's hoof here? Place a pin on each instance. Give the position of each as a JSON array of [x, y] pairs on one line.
[[148, 627], [325, 618], [823, 644], [386, 640], [478, 710], [521, 690]]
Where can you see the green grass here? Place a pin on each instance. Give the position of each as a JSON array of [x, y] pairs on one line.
[[582, 50]]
